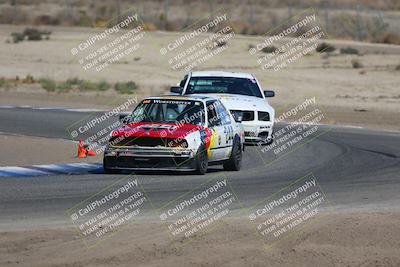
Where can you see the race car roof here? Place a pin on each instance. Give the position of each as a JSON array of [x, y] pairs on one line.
[[222, 74]]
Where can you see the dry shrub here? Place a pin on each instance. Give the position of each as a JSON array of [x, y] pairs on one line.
[[269, 49], [28, 79], [46, 20], [356, 64], [349, 50], [221, 43], [390, 38], [17, 37], [325, 48], [34, 34], [150, 27]]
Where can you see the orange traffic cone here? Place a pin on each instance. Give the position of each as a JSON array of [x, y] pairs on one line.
[[91, 153], [81, 150]]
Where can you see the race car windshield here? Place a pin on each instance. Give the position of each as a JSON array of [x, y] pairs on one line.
[[223, 85], [169, 111]]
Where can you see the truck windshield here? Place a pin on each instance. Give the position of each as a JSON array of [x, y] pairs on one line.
[[169, 111], [223, 85]]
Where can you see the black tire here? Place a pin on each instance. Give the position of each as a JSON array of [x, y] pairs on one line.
[[201, 161], [107, 170], [234, 163]]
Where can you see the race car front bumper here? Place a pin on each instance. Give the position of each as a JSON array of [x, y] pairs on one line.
[[255, 132], [149, 158]]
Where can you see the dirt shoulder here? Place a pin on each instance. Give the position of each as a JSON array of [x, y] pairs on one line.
[[40, 98], [24, 150], [348, 239]]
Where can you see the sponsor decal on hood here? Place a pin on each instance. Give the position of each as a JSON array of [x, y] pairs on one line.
[[156, 130]]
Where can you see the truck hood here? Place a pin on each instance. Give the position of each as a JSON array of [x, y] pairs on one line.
[[156, 130], [241, 102]]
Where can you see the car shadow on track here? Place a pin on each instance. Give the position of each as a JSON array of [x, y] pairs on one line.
[[157, 172]]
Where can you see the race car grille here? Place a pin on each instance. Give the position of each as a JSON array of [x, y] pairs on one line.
[[248, 115], [263, 116], [140, 141]]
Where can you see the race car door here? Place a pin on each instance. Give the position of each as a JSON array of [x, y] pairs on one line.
[[227, 133], [218, 122]]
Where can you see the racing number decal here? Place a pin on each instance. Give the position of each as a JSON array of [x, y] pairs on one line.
[[228, 131]]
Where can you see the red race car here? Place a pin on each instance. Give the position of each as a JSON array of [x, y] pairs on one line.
[[176, 133]]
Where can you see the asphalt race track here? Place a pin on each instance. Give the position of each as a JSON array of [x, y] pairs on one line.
[[358, 169]]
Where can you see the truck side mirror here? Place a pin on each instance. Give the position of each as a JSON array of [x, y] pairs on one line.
[[269, 93]]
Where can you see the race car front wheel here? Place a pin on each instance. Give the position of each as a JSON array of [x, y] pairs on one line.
[[201, 161], [235, 160]]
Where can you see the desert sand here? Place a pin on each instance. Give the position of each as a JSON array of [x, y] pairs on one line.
[[341, 239]]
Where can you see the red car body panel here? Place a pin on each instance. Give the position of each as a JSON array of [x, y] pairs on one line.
[[161, 130], [156, 130]]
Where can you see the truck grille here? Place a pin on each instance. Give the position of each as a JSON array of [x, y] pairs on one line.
[[249, 134]]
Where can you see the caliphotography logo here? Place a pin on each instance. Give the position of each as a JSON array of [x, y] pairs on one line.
[[288, 42], [200, 42], [200, 211], [288, 210], [295, 127], [108, 211], [96, 128], [120, 40]]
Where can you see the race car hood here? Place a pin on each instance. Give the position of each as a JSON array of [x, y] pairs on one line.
[[156, 130], [242, 102]]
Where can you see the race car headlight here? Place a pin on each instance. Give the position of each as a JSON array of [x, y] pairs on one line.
[[178, 143]]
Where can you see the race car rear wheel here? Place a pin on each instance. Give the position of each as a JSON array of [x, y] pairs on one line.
[[235, 160], [201, 161]]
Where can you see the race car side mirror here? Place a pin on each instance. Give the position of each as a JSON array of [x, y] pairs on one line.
[[269, 93], [176, 89]]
